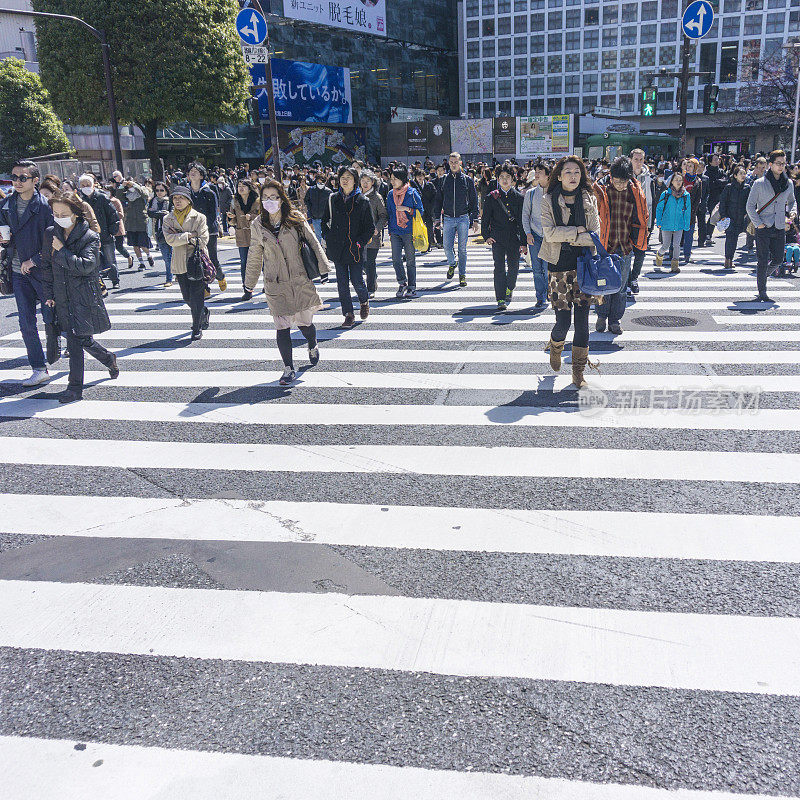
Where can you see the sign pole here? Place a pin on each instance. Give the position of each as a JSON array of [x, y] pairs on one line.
[[273, 120], [683, 88]]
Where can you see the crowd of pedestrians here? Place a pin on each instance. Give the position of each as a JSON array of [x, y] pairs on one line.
[[316, 219]]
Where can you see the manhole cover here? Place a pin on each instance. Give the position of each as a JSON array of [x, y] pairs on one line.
[[666, 321]]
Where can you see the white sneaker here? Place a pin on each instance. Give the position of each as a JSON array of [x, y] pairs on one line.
[[37, 378]]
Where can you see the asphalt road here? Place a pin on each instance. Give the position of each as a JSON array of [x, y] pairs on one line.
[[428, 569]]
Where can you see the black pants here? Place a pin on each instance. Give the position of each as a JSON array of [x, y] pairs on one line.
[[731, 241], [108, 262], [77, 344], [506, 268], [370, 269], [212, 254], [702, 230], [119, 243], [434, 233], [563, 319], [770, 246], [193, 293], [636, 267]]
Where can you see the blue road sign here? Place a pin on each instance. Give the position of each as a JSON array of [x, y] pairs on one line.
[[697, 19], [251, 26]]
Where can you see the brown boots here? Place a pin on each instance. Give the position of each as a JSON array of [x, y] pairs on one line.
[[728, 263], [555, 354], [580, 358]]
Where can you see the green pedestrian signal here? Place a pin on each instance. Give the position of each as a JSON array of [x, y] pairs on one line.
[[649, 101], [710, 98], [648, 110]]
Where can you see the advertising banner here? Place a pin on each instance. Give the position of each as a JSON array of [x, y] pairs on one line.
[[505, 135], [363, 16], [438, 137], [309, 144], [471, 135], [545, 136], [305, 92], [417, 137]]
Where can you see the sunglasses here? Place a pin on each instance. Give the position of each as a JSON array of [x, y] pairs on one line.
[[20, 178]]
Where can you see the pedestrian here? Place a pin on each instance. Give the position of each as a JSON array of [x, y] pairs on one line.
[[134, 201], [108, 223], [623, 224], [569, 215], [456, 210], [119, 236], [402, 204], [184, 229], [204, 201], [759, 167], [644, 178], [428, 195], [244, 210], [532, 225], [716, 185], [225, 198], [275, 252], [24, 218], [771, 207], [733, 207], [368, 186], [157, 210], [316, 202], [71, 280], [501, 228], [674, 217], [693, 185], [349, 227], [792, 250]]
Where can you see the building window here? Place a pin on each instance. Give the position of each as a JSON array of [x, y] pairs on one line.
[[537, 65], [573, 18], [591, 16], [554, 105], [589, 83], [489, 109], [572, 62], [554, 64], [503, 6], [650, 10], [648, 34], [504, 68], [732, 6], [630, 12], [554, 22], [504, 26], [554, 43], [608, 100], [504, 47], [589, 61], [753, 25], [474, 110], [473, 50], [572, 105], [731, 26], [537, 22], [572, 41], [610, 37], [521, 87], [629, 35], [729, 62], [488, 7], [666, 56], [488, 89], [520, 66], [488, 27], [588, 102], [504, 88], [520, 5], [610, 15], [627, 58], [666, 100], [794, 21], [753, 5], [474, 91], [521, 108], [489, 69], [626, 102], [647, 57], [669, 9], [553, 85], [669, 32], [537, 44], [776, 3], [727, 98], [609, 60], [608, 82], [627, 81], [473, 8], [520, 45], [473, 69], [775, 23], [708, 57], [555, 3], [572, 84], [473, 29], [520, 24], [537, 107], [591, 39], [537, 87]]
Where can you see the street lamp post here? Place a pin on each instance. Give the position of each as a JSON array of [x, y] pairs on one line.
[[104, 48], [794, 46]]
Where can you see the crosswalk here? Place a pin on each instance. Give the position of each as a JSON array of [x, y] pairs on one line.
[[430, 569]]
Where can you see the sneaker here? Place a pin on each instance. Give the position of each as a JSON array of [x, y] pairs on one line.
[[349, 321], [501, 306], [629, 293], [37, 378], [509, 293], [451, 270], [130, 262], [401, 291], [371, 295], [600, 325], [167, 284], [246, 296], [70, 395], [206, 294], [197, 335], [206, 318], [150, 261], [635, 287], [659, 260], [223, 284], [113, 370], [540, 303], [116, 285], [364, 313], [412, 291], [141, 266], [287, 377], [462, 281], [313, 355], [615, 328]]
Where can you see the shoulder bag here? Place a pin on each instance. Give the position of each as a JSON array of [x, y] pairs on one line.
[[5, 269], [751, 229], [600, 274], [309, 258], [199, 266]]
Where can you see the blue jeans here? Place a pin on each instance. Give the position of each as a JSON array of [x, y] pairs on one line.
[[613, 305], [687, 243], [405, 242], [345, 275], [27, 292], [316, 224], [451, 225], [166, 254], [539, 268], [243, 251]]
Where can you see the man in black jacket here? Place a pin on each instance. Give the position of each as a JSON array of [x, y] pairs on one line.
[[349, 226], [316, 201], [501, 227], [108, 220], [456, 210], [204, 200], [428, 194]]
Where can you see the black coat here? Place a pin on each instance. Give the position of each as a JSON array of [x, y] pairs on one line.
[[70, 276], [350, 229], [204, 200], [733, 204], [317, 201], [497, 224], [428, 200], [107, 217]]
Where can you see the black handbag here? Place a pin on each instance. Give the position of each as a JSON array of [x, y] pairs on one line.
[[6, 286], [310, 261]]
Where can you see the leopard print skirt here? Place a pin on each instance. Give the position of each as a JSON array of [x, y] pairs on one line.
[[564, 291]]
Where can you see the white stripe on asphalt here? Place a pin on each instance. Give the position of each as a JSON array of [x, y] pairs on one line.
[[319, 379], [506, 462], [756, 319], [704, 652], [49, 768], [323, 414], [718, 537]]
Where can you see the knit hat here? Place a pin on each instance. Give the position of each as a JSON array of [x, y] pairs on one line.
[[183, 191]]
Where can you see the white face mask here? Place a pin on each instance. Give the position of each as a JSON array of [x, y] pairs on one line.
[[221, 184], [132, 194], [87, 190], [320, 184], [262, 180], [272, 206], [286, 183], [64, 222]]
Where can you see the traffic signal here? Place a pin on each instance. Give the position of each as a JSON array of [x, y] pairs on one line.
[[253, 115], [710, 98], [649, 101]]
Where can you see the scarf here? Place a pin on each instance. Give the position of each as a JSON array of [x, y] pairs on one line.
[[778, 184], [399, 196], [251, 198], [181, 215], [580, 211]]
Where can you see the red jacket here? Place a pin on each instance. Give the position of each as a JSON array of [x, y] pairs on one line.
[[638, 228]]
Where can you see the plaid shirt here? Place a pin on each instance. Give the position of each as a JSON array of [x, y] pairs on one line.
[[620, 212]]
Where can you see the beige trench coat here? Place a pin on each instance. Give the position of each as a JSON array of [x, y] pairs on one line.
[[242, 222], [554, 235], [288, 289], [178, 237]]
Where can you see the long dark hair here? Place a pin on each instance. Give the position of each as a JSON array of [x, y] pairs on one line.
[[251, 197], [554, 182], [289, 214]]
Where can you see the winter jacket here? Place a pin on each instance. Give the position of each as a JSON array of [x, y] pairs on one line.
[[640, 223], [225, 198], [157, 210], [774, 216], [71, 278], [733, 204], [645, 181], [555, 235], [179, 237], [105, 213], [674, 213], [380, 215], [456, 197], [497, 224], [412, 200], [27, 232], [135, 207], [204, 200], [243, 220], [428, 195], [532, 211], [716, 185], [348, 226], [120, 214], [286, 284], [316, 201]]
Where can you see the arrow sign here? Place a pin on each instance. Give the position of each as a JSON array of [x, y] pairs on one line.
[[697, 19], [251, 26]]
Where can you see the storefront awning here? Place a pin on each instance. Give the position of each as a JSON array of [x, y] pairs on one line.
[[196, 136]]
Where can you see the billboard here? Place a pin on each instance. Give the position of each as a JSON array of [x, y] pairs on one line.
[[309, 144], [305, 92], [545, 136], [471, 135], [362, 16], [505, 135], [438, 137]]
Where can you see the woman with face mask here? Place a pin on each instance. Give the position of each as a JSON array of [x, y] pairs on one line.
[[157, 209], [134, 200], [71, 279], [225, 196], [276, 238]]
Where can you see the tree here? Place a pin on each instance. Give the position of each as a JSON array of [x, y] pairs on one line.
[[171, 61], [28, 124]]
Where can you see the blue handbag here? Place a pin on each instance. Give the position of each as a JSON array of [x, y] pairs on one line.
[[600, 274]]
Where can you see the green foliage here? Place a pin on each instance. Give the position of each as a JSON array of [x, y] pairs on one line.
[[172, 60], [28, 124]]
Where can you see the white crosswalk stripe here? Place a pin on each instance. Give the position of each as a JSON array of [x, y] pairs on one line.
[[429, 568]]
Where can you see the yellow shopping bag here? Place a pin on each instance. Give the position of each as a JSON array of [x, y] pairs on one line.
[[420, 233]]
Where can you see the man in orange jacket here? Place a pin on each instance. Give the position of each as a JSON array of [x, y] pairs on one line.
[[623, 225]]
